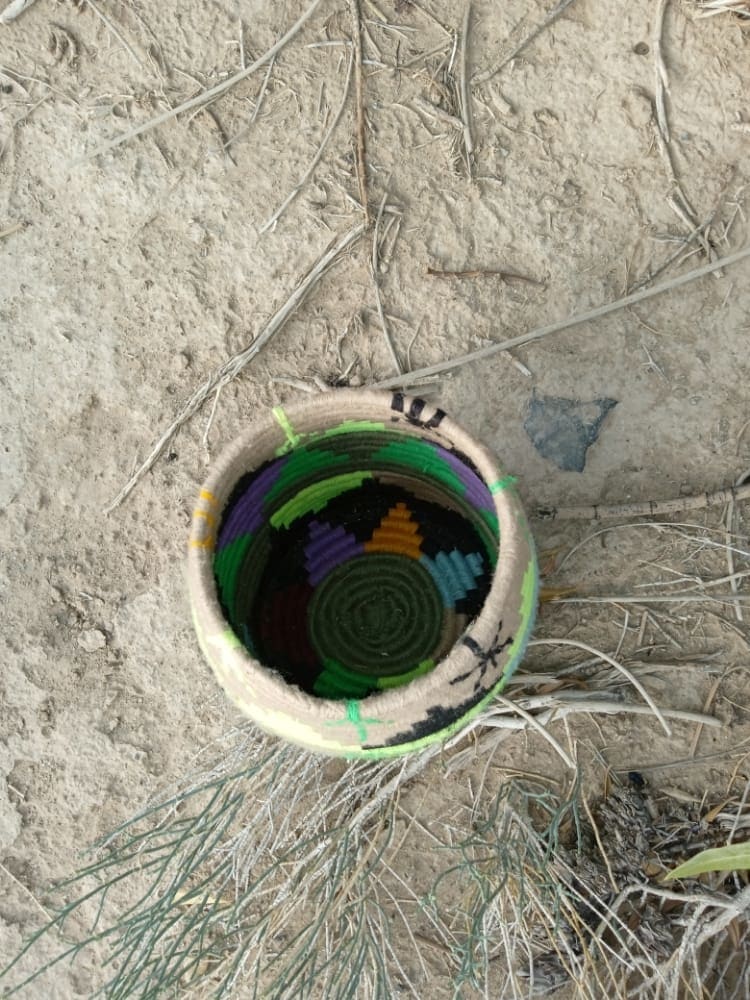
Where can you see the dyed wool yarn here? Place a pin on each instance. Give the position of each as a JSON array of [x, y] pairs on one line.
[[355, 562]]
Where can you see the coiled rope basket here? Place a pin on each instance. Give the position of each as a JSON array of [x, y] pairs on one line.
[[361, 573]]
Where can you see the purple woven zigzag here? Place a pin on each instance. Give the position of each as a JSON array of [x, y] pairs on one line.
[[329, 547], [248, 515], [476, 491]]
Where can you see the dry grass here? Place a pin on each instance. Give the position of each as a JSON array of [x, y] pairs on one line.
[[708, 8], [298, 876], [284, 872]]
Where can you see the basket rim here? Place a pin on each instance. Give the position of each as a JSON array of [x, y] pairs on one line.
[[257, 690]]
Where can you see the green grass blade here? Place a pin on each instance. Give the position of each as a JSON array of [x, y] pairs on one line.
[[731, 858]]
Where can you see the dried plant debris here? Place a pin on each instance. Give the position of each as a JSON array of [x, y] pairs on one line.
[[64, 46], [276, 870], [708, 8], [610, 867], [261, 874], [12, 10]]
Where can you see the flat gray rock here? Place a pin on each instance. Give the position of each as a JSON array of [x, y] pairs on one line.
[[563, 430]]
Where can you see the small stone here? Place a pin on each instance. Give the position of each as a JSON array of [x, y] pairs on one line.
[[92, 640], [562, 430]]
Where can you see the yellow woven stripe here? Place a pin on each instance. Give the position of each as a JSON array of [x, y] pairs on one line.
[[202, 543]]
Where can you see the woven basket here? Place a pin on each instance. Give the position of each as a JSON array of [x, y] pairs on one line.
[[361, 573]]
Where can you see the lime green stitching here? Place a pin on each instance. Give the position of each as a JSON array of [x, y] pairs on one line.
[[502, 484], [352, 714], [354, 718], [292, 439]]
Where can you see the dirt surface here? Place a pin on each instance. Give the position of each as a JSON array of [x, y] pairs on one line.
[[125, 278]]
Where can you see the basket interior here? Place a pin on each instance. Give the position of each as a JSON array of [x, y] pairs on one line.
[[353, 561]]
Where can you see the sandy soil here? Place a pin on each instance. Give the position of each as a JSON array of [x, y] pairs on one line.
[[126, 277]]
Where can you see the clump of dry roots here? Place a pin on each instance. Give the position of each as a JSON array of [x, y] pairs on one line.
[[592, 909]]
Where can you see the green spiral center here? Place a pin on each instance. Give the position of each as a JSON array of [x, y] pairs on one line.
[[379, 614]]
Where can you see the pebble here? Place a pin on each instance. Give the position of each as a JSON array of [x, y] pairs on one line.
[[92, 640]]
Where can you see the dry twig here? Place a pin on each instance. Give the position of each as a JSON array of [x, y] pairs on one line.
[[644, 508], [698, 232], [731, 519], [545, 331], [485, 272], [9, 230], [553, 15], [258, 102], [208, 95], [662, 80], [678, 202], [709, 8], [361, 124], [14, 8], [26, 891], [440, 113], [613, 663], [115, 31], [374, 267], [464, 94], [315, 160], [234, 365]]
